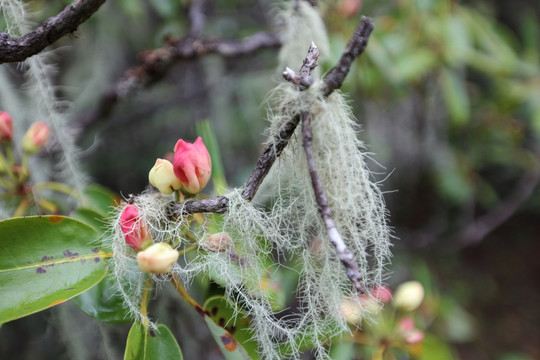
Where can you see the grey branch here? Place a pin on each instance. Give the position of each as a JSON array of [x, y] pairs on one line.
[[303, 79], [481, 227], [47, 33], [344, 254], [356, 46]]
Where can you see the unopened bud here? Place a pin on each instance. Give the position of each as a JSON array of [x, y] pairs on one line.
[[157, 259], [162, 177], [6, 127], [409, 296], [382, 293], [35, 138], [414, 337], [350, 311], [218, 242], [192, 165], [134, 229]]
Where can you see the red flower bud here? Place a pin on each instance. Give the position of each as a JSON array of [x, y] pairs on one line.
[[383, 293], [6, 127], [134, 229], [192, 165], [35, 137]]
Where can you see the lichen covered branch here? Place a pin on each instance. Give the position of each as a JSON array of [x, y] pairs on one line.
[[273, 149], [344, 254], [51, 30]]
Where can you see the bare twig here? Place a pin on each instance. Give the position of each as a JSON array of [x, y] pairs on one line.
[[356, 46], [155, 64], [197, 18], [481, 227], [344, 254], [47, 33], [303, 79]]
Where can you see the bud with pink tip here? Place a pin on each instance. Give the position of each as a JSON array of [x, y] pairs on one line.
[[6, 127], [35, 138], [157, 259], [409, 296], [134, 229], [192, 165], [218, 242], [163, 178], [383, 293]]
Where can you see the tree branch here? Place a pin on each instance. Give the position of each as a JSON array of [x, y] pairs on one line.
[[481, 227], [156, 63], [356, 46], [47, 33], [344, 254]]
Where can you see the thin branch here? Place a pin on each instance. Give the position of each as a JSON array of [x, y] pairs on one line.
[[197, 18], [481, 227], [156, 63], [356, 46], [47, 33], [303, 79], [274, 148], [344, 254]]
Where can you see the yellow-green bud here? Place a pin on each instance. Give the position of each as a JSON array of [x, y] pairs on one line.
[[157, 259], [409, 296], [163, 178]]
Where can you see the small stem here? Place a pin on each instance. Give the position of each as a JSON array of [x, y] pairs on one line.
[[188, 249], [183, 293], [8, 165], [21, 209], [58, 187], [144, 300]]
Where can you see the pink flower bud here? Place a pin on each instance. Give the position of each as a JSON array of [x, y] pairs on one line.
[[192, 165], [162, 176], [414, 337], [157, 259], [383, 293], [6, 127], [134, 229], [406, 324], [35, 137], [218, 242]]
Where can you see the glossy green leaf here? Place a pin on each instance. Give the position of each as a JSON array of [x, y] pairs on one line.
[[230, 348], [221, 313], [147, 344], [44, 261], [102, 302], [100, 199], [92, 218]]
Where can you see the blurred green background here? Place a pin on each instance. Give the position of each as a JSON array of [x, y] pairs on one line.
[[448, 96]]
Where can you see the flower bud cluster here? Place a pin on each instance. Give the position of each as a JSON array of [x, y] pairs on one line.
[[189, 173], [15, 170]]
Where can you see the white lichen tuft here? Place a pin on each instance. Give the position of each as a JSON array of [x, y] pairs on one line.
[[45, 104]]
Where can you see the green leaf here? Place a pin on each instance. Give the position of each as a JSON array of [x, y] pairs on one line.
[[455, 96], [230, 348], [102, 302], [147, 344], [221, 313], [206, 132], [100, 199], [434, 348], [44, 261], [92, 218]]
